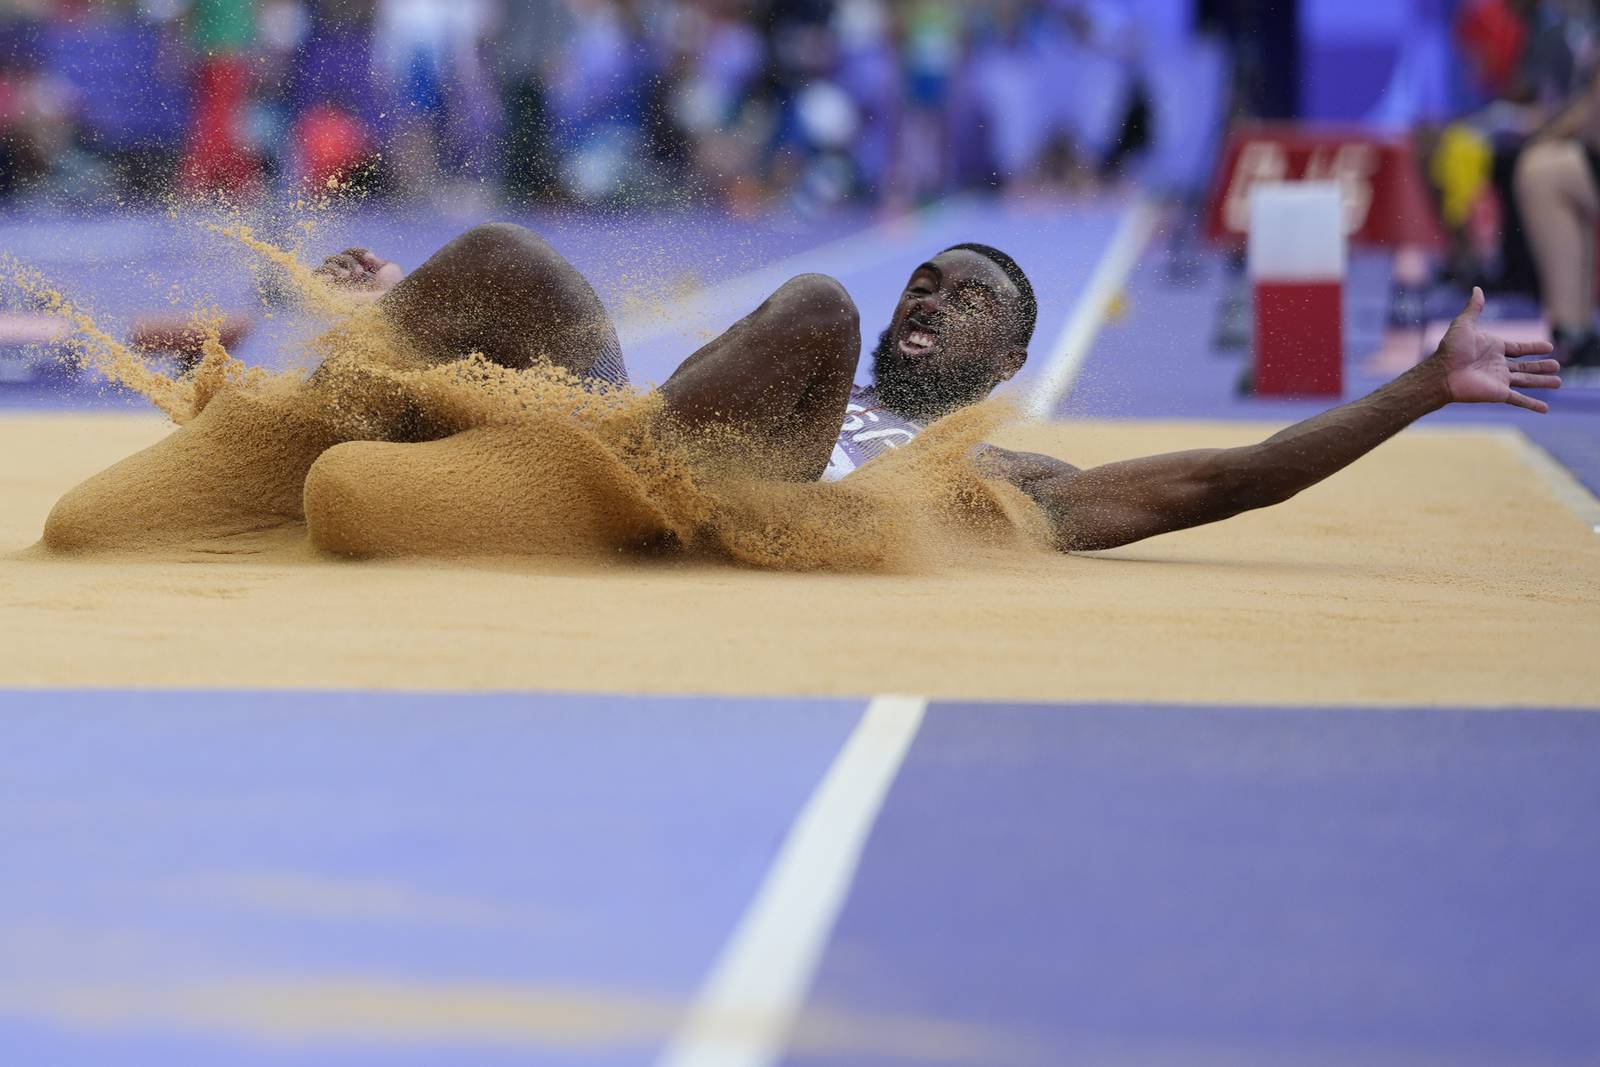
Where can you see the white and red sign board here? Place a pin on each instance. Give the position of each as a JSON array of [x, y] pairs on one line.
[[1384, 201], [1296, 259]]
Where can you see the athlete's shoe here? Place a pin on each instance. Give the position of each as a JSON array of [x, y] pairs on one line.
[[1579, 358]]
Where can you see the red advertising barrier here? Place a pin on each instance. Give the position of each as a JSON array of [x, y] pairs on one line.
[[1385, 201], [1299, 339], [1296, 261]]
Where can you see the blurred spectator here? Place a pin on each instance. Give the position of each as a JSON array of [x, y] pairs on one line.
[[217, 156], [714, 64], [36, 111], [428, 55], [814, 101], [532, 39], [334, 110], [1558, 195], [1517, 170], [598, 99]]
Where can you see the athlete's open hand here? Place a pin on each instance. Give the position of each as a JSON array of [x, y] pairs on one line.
[[1480, 368], [361, 270]]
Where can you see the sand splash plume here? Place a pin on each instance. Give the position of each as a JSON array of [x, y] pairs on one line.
[[382, 453], [179, 398]]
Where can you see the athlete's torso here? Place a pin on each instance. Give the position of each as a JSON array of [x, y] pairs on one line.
[[869, 430]]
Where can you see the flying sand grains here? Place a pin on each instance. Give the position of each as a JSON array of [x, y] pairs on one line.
[[380, 453]]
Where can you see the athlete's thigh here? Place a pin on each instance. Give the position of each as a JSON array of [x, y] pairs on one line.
[[781, 375]]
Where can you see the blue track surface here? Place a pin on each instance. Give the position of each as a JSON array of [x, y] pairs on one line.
[[1127, 884], [1263, 886], [584, 843]]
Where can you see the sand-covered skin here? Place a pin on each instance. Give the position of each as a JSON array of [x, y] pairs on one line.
[[1412, 578]]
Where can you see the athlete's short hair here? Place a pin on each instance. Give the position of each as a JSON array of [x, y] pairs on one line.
[[1026, 302]]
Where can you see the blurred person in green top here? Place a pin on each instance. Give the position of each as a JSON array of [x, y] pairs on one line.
[[216, 158]]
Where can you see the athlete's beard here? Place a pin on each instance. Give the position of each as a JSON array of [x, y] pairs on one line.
[[919, 391]]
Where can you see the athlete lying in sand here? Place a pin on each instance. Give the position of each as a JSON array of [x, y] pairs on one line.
[[783, 376], [962, 327]]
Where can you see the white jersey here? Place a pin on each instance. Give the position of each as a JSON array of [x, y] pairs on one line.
[[869, 430], [608, 365]]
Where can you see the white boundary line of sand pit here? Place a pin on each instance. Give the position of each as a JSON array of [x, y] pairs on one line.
[[1071, 347], [1561, 482], [876, 244], [746, 1010]]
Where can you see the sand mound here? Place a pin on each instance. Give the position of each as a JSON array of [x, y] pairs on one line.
[[382, 454], [540, 487], [236, 467]]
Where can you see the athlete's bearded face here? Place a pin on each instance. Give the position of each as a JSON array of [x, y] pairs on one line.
[[953, 337]]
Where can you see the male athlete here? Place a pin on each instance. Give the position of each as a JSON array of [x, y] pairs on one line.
[[785, 374]]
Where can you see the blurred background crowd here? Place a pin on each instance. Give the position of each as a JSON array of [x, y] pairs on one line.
[[815, 101], [812, 104]]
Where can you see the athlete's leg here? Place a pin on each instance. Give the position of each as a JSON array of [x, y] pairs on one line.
[[241, 463], [781, 375], [500, 289], [1560, 205]]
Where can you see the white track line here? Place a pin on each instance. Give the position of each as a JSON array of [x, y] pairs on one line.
[[1556, 477], [871, 246], [1072, 344], [745, 1011]]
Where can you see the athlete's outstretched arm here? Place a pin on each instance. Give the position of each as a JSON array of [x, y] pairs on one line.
[[1120, 503]]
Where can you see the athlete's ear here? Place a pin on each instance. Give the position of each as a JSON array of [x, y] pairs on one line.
[[1012, 362]]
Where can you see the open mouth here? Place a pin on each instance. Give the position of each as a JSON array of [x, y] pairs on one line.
[[918, 339]]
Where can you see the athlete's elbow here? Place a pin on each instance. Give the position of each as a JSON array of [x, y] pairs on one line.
[[820, 305]]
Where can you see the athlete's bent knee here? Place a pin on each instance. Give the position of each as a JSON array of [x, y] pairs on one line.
[[823, 307], [502, 242]]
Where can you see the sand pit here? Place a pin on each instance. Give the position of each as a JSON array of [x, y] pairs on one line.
[[1423, 575], [535, 529]]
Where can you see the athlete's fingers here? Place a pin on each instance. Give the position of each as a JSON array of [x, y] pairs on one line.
[[1535, 366], [388, 276], [348, 271], [1535, 381], [1469, 314], [1529, 348], [1517, 400], [340, 265]]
